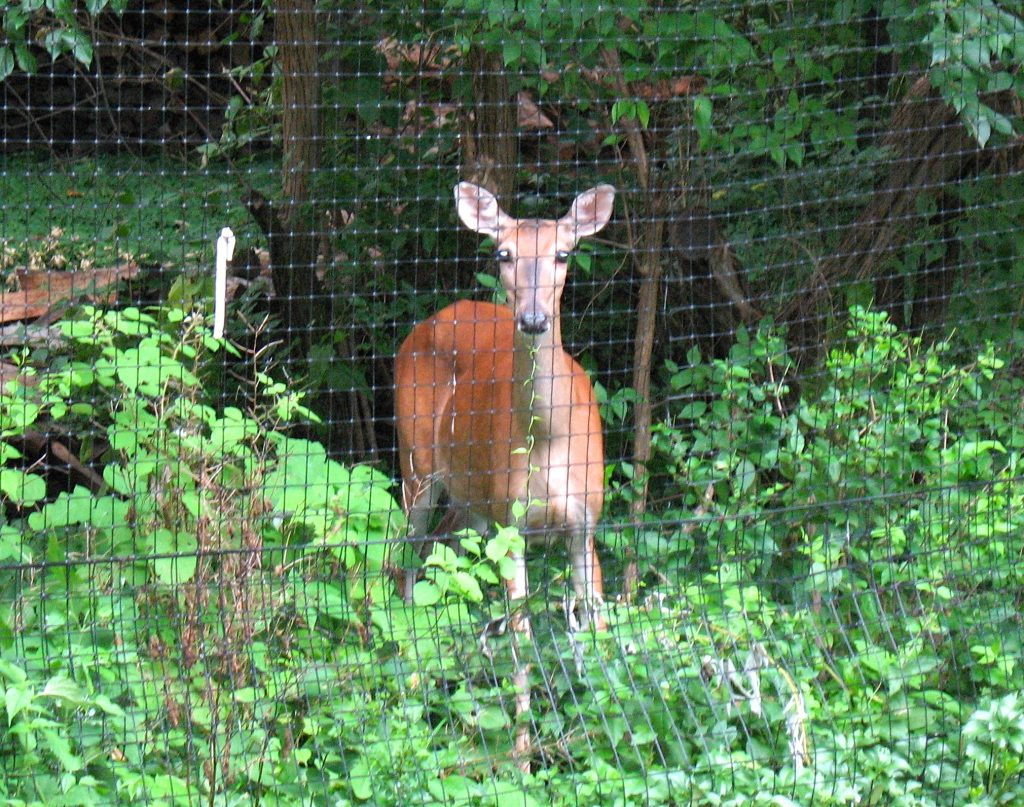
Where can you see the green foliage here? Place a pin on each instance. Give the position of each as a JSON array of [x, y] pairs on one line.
[[459, 574], [827, 606], [994, 738], [977, 49], [826, 622], [195, 502], [881, 421], [864, 529], [56, 26], [148, 210]]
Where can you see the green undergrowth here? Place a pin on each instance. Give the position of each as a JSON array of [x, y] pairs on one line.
[[825, 609], [84, 213]]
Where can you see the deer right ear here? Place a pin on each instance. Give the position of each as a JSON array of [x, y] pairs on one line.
[[591, 211], [478, 209]]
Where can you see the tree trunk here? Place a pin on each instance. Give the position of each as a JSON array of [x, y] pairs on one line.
[[489, 153], [646, 246], [706, 293], [293, 247], [931, 150]]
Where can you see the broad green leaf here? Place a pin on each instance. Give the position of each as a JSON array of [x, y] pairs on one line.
[[468, 586], [452, 789], [16, 700], [21, 487], [426, 593], [180, 564], [6, 62], [12, 672], [360, 780], [60, 747], [62, 688]]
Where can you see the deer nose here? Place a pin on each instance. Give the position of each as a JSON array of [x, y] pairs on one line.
[[534, 323]]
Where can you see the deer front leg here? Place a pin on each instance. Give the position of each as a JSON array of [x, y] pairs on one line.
[[517, 587]]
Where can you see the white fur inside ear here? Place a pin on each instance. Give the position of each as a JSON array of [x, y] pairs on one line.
[[591, 211], [478, 209]]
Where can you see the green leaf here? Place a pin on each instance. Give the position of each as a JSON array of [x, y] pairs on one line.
[[248, 695], [146, 370], [80, 46], [426, 593], [969, 449], [8, 452], [25, 58], [180, 565], [468, 586], [6, 62], [495, 550], [16, 700], [982, 129], [643, 113], [108, 706], [12, 672], [511, 51], [492, 718], [62, 688], [360, 780], [21, 487], [702, 110], [452, 789], [67, 509], [623, 109]]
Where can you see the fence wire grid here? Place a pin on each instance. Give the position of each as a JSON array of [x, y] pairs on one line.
[[541, 403]]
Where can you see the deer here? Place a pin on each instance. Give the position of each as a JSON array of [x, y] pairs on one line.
[[492, 411]]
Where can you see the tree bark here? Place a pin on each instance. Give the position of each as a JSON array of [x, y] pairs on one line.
[[646, 248], [293, 245], [489, 153], [931, 150]]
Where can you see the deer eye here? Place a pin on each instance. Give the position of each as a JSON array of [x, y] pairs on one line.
[[503, 255], [562, 256]]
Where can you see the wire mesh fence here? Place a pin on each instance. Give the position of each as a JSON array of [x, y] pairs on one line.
[[511, 403]]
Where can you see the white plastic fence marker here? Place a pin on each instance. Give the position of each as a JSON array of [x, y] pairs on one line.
[[225, 252]]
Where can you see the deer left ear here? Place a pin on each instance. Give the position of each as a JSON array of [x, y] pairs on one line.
[[590, 211], [478, 209]]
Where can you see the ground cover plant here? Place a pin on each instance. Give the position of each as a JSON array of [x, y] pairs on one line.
[[96, 212], [218, 619]]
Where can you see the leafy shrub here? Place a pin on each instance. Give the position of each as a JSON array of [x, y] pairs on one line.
[[181, 599], [823, 615], [864, 532]]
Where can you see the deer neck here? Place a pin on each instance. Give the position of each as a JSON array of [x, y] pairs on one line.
[[543, 383]]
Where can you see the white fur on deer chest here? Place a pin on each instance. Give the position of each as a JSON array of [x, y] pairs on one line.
[[556, 491]]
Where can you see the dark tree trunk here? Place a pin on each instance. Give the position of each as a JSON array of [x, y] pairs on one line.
[[293, 229], [489, 146], [934, 282], [293, 245], [931, 149], [707, 296], [646, 243]]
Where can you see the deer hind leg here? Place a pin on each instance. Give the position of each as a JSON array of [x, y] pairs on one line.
[[587, 581], [461, 517], [419, 499]]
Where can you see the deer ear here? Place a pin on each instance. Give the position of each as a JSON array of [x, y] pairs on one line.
[[478, 209], [591, 211]]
